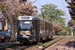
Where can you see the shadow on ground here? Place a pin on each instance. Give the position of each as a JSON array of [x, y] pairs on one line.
[[71, 44]]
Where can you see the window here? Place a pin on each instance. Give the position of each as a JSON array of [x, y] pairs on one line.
[[0, 25], [25, 24], [0, 16]]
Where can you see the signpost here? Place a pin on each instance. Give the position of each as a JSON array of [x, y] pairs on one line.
[[4, 28]]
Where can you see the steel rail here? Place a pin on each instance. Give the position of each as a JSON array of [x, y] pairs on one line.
[[67, 43], [52, 43], [20, 46]]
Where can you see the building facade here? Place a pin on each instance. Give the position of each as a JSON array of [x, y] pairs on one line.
[[1, 22]]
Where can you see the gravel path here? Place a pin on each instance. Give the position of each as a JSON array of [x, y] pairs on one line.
[[47, 43], [61, 45]]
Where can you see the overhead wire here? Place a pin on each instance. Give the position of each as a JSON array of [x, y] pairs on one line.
[[66, 19], [64, 8], [38, 2]]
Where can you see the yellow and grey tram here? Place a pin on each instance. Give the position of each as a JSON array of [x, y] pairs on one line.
[[33, 29]]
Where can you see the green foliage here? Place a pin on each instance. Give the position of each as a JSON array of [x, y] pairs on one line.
[[51, 13], [69, 3], [61, 20], [65, 30], [2, 6]]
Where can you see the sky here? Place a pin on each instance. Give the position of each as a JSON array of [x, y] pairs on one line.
[[60, 3]]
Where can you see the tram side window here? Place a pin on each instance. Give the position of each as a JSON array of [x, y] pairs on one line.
[[50, 27], [33, 23], [46, 27], [42, 27]]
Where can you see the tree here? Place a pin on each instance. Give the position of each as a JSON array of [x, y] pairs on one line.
[[57, 26], [65, 30], [61, 20], [71, 7], [51, 12], [71, 23], [11, 11]]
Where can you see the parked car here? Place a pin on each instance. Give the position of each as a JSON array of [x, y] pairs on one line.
[[9, 32], [5, 36]]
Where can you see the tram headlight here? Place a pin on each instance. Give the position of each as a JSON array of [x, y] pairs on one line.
[[21, 35]]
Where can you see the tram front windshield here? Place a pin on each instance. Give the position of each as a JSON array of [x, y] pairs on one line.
[[25, 24]]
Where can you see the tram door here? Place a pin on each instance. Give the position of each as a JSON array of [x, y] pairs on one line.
[[37, 27]]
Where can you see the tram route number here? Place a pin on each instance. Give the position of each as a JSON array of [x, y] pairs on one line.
[[25, 17]]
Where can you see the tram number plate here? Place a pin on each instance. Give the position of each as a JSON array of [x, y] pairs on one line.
[[25, 17]]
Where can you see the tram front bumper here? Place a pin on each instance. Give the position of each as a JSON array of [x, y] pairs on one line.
[[26, 39]]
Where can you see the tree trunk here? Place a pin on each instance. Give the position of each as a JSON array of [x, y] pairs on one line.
[[74, 30], [56, 32], [13, 38], [74, 33], [74, 27]]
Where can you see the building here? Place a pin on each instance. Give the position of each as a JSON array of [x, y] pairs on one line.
[[1, 23]]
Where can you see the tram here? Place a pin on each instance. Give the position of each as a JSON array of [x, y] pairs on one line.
[[33, 29]]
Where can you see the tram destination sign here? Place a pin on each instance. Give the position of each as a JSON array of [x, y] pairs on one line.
[[25, 18]]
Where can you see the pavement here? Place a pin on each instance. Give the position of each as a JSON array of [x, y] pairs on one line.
[[63, 36], [9, 44]]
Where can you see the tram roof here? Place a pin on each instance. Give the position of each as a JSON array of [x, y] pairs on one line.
[[35, 18], [43, 20]]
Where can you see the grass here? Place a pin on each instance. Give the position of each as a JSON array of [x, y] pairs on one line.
[[48, 42], [2, 46], [40, 44]]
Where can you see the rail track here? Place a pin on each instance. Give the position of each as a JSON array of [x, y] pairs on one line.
[[69, 43], [52, 43], [21, 46], [3, 46], [60, 45]]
